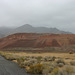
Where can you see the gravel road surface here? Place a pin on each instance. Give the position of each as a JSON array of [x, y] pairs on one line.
[[10, 68]]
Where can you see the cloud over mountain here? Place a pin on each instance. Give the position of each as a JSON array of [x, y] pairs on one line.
[[47, 13]]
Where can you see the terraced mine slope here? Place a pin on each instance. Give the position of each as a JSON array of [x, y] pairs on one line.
[[37, 40]]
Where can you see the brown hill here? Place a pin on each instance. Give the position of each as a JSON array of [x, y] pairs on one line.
[[37, 40]]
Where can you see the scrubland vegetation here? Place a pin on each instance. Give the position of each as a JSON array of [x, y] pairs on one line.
[[44, 63]]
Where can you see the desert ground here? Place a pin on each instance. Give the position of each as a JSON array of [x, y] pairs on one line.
[[59, 55], [43, 63]]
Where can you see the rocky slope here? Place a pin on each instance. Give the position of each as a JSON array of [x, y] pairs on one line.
[[37, 40]]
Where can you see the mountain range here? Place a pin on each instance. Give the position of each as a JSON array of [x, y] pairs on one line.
[[5, 31]]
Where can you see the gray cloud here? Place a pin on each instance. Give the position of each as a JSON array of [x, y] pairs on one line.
[[49, 13]]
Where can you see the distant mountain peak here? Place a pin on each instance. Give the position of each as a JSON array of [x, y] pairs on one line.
[[27, 25], [27, 28]]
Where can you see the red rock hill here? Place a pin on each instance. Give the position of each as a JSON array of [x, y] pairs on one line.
[[37, 40]]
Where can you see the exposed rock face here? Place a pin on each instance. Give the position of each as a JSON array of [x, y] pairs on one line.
[[37, 40]]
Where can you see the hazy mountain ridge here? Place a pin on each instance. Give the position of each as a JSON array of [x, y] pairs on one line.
[[1, 35], [4, 31], [29, 29]]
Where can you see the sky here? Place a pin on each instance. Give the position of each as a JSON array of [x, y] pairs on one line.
[[45, 13]]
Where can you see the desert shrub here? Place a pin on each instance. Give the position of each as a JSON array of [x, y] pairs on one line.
[[69, 70], [26, 58], [60, 61], [33, 60], [36, 69], [60, 64], [72, 63], [71, 52], [0, 53], [33, 57], [22, 65], [54, 65], [3, 54], [45, 71], [53, 58], [46, 58], [51, 69], [46, 64], [20, 60], [28, 63], [10, 57], [62, 72], [27, 69], [25, 64], [39, 59], [48, 67], [55, 71]]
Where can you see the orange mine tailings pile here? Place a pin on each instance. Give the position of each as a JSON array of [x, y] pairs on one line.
[[36, 40]]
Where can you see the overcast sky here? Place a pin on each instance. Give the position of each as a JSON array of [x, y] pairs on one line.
[[48, 13]]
